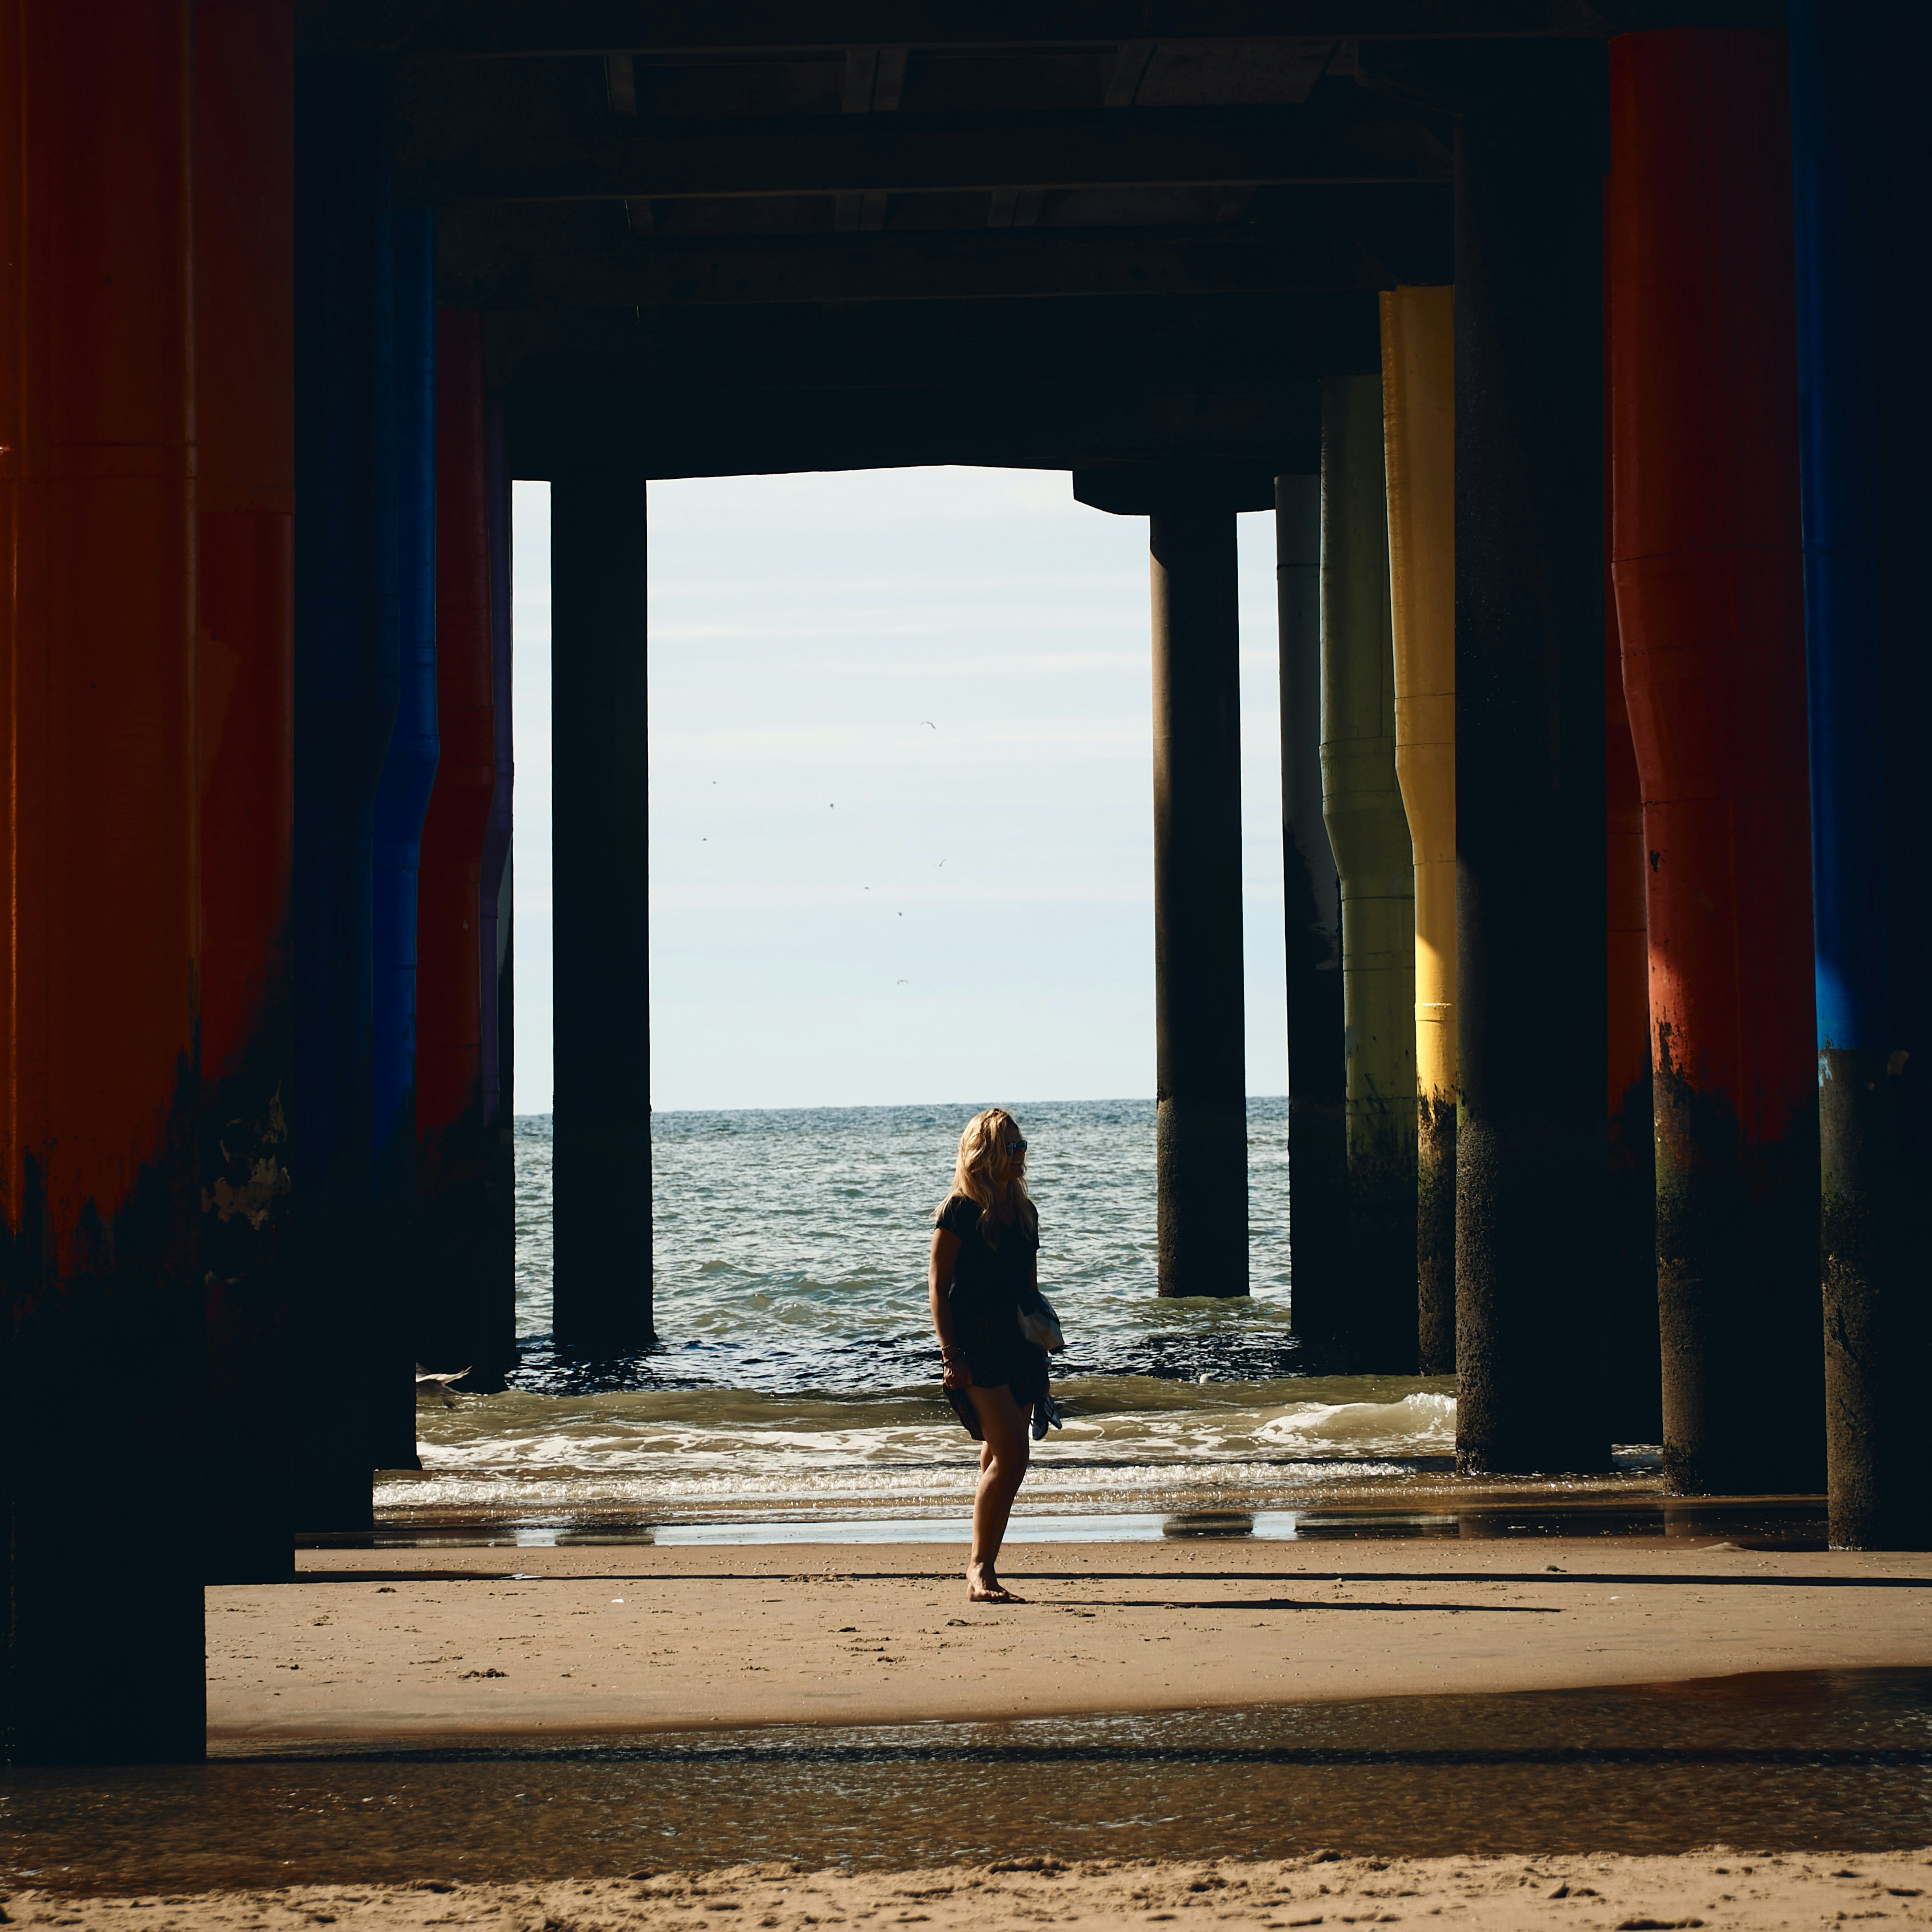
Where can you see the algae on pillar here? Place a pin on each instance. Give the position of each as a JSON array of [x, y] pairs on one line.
[[1362, 805], [1312, 909], [1419, 432]]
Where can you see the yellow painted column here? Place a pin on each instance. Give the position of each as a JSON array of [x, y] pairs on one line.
[[1361, 805], [1419, 432]]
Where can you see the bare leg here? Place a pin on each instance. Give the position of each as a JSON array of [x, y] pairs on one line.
[[1002, 1468]]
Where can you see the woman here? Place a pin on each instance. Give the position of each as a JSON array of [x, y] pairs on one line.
[[985, 1256]]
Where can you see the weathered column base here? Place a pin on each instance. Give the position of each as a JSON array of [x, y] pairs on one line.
[[1200, 1157], [603, 1222], [1530, 1400], [1317, 1182], [1877, 1321], [1737, 1305], [1436, 1236]]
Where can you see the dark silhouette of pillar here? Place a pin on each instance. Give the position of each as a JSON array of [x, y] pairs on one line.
[[1710, 607], [244, 322], [1312, 893], [497, 1291], [1632, 1391], [101, 1373], [455, 1321], [1201, 1077], [347, 675], [1362, 804], [600, 884], [1865, 413], [1530, 1156], [400, 1253]]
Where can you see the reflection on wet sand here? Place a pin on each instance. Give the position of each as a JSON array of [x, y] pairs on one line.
[[1470, 1512], [1774, 1763]]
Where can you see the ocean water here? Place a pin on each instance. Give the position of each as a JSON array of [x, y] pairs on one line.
[[795, 1374]]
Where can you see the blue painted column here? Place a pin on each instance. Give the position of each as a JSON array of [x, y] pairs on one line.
[[1863, 398], [347, 637], [402, 798]]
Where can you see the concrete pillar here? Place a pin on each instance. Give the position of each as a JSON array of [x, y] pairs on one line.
[[1864, 417], [1531, 1000], [347, 674], [455, 1320], [1633, 1389], [1419, 433], [497, 1292], [1710, 606], [244, 322], [1362, 805], [1201, 1075], [103, 1301], [600, 892], [400, 1254], [1312, 894]]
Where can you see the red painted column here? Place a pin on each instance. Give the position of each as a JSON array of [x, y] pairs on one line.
[[103, 1327], [1631, 1389], [453, 1323], [244, 357], [1710, 603]]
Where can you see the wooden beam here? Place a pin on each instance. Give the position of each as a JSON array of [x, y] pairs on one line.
[[486, 29], [1373, 245], [880, 370], [1271, 424], [924, 154]]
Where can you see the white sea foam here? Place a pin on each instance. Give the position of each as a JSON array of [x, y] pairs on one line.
[[796, 1369]]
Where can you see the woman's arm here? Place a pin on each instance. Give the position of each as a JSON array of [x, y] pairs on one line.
[[938, 1278]]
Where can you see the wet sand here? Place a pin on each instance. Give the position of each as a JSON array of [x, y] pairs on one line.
[[386, 1645], [1591, 1894]]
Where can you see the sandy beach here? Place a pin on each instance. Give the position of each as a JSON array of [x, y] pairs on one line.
[[1715, 1889], [522, 1738], [375, 1644]]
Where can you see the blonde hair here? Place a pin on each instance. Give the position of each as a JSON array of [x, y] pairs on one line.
[[987, 1174]]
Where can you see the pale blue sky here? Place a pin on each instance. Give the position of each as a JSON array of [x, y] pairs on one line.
[[900, 793]]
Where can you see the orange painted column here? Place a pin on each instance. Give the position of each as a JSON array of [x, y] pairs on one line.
[[453, 1321], [102, 1658], [244, 355]]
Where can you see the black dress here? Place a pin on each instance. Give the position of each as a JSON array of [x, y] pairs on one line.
[[988, 1284]]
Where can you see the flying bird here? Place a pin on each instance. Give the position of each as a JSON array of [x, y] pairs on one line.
[[929, 723], [433, 1385]]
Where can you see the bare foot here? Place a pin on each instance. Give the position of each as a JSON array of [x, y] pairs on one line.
[[983, 1587]]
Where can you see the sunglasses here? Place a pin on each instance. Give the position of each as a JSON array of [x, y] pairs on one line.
[[1016, 1146]]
